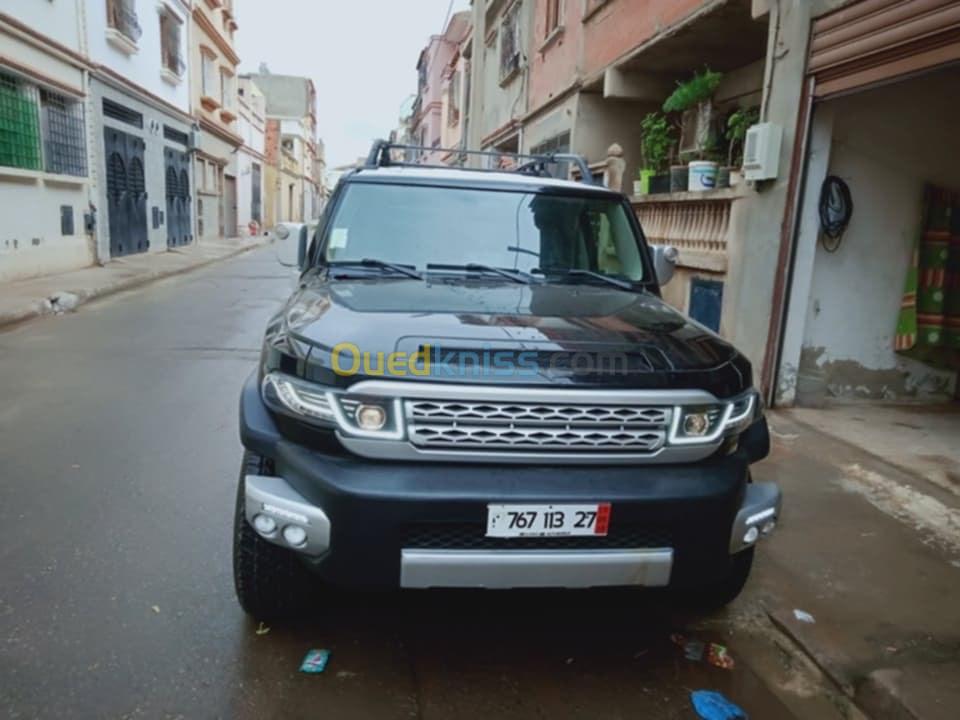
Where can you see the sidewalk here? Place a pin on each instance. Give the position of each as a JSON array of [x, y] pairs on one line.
[[26, 299], [873, 554]]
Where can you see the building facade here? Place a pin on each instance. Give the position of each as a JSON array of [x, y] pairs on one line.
[[44, 154], [252, 158], [141, 125], [294, 192], [214, 104]]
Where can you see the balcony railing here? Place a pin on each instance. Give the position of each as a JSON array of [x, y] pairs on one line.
[[122, 17], [697, 224]]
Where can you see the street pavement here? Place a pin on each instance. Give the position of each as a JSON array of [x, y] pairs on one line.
[[118, 465]]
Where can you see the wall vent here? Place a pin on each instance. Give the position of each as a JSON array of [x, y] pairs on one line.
[[122, 113]]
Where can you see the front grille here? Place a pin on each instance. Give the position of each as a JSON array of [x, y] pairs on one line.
[[471, 536], [539, 427]]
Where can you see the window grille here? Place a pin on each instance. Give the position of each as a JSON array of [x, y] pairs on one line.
[[510, 41], [64, 146], [174, 135], [122, 113], [19, 124]]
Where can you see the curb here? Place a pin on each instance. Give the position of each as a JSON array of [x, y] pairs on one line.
[[39, 308], [877, 695]]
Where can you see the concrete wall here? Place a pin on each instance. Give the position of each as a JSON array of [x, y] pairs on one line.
[[886, 143], [58, 21], [142, 67]]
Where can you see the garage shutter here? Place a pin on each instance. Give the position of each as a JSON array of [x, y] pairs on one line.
[[872, 41]]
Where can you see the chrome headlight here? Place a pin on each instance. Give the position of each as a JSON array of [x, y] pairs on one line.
[[320, 405], [706, 424]]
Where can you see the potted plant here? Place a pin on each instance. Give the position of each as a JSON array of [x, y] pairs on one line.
[[655, 147], [692, 100], [738, 123]]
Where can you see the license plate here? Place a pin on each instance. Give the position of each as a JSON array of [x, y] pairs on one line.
[[508, 521]]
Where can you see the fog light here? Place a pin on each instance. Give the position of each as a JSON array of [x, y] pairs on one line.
[[696, 424], [264, 524], [371, 417], [294, 535], [750, 537], [768, 527]]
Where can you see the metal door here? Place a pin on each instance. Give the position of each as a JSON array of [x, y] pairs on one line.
[[230, 206], [126, 193], [179, 231]]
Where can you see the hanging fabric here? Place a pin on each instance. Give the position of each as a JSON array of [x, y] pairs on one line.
[[928, 328]]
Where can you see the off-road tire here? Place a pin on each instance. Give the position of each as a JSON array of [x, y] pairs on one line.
[[271, 582], [721, 592]]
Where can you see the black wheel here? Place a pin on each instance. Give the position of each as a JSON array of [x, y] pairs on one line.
[[723, 591], [270, 581]]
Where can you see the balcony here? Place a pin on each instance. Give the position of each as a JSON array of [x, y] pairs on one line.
[[123, 26], [698, 224]]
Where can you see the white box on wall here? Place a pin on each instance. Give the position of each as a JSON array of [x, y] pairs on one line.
[[761, 152]]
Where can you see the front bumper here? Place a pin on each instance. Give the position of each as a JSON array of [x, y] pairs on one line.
[[373, 523]]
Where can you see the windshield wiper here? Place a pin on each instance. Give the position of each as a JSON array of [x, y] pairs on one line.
[[515, 275], [624, 284], [407, 270]]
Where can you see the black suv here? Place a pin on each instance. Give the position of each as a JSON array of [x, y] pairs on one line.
[[477, 384]]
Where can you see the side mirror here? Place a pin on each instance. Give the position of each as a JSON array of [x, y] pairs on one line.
[[291, 244], [282, 232], [665, 262]]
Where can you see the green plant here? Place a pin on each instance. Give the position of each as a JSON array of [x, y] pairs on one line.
[[737, 125], [693, 91], [657, 141]]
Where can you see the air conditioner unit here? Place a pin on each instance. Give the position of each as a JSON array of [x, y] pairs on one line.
[[761, 152]]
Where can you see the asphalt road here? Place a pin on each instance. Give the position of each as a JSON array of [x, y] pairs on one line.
[[118, 465]]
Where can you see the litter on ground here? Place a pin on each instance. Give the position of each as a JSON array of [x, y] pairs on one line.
[[315, 661], [711, 705], [804, 616]]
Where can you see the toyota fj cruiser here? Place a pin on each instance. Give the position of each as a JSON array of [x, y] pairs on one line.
[[477, 384]]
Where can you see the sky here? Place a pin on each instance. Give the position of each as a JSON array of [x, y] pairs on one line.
[[360, 54]]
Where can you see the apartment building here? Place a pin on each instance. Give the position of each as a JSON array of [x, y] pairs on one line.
[[252, 125], [214, 104]]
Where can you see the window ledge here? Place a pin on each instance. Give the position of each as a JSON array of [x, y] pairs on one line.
[[228, 116], [732, 193], [34, 176], [170, 77], [209, 103], [550, 39], [121, 42], [509, 77], [595, 9]]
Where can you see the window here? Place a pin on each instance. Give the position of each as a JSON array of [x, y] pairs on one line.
[[516, 230], [227, 91], [170, 32], [64, 146], [40, 130], [122, 16], [201, 174], [553, 16], [510, 42], [19, 124], [208, 76], [453, 117], [557, 144]]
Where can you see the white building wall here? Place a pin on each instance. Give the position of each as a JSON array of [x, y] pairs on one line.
[[887, 144], [32, 243], [144, 67]]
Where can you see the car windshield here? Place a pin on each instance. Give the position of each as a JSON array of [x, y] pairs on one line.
[[419, 225]]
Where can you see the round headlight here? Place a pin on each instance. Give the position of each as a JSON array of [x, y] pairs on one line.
[[371, 417], [264, 524], [696, 424], [294, 535]]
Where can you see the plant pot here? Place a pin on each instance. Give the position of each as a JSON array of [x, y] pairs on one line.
[[702, 176], [723, 177], [638, 188], [736, 177], [645, 176], [660, 184], [678, 178]]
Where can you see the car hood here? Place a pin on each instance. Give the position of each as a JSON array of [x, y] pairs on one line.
[[580, 334]]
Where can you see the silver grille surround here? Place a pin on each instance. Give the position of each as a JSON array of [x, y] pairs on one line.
[[507, 426]]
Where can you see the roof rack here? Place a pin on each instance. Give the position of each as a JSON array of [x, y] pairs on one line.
[[527, 164]]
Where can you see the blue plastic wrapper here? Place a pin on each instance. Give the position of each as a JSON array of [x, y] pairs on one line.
[[714, 706], [315, 661]]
